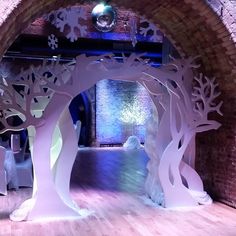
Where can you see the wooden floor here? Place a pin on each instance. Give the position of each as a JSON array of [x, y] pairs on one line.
[[110, 183]]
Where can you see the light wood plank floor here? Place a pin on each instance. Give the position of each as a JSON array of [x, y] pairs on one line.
[[110, 183]]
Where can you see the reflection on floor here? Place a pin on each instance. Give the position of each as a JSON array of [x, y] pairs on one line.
[[112, 169], [110, 183]]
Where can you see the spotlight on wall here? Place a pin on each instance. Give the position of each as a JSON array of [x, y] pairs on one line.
[[104, 17]]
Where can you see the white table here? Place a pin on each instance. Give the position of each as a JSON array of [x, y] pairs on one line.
[[10, 167]]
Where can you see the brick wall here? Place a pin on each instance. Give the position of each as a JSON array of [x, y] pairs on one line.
[[194, 27], [216, 155]]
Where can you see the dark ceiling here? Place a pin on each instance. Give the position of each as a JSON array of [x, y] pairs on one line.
[[33, 42]]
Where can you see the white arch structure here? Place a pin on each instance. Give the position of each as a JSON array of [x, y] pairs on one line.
[[40, 96]]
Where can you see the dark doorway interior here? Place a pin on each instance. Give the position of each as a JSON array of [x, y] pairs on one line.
[[80, 110]]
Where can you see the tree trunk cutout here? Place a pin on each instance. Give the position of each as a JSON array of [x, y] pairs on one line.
[[40, 97]]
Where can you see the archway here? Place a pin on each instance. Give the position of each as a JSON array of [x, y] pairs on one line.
[[41, 100], [212, 57]]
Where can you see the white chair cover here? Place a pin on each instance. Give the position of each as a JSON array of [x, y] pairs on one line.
[[10, 168], [15, 142], [24, 167], [20, 155], [78, 128], [25, 173], [3, 176]]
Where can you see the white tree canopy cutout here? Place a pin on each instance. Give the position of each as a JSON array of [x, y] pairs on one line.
[[40, 96], [70, 21]]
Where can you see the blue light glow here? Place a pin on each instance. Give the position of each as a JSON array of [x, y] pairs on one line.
[[122, 110], [99, 8]]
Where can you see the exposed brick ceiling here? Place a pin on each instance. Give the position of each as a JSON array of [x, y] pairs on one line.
[[192, 26]]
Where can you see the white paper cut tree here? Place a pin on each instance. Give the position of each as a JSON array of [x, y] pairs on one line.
[[182, 116], [40, 96], [33, 97]]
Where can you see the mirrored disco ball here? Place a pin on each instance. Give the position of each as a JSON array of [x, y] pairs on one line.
[[104, 17]]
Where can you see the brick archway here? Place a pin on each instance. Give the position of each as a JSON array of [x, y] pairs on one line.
[[194, 29]]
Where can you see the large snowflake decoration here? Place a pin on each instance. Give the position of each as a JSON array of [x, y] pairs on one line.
[[52, 41], [69, 21], [151, 30]]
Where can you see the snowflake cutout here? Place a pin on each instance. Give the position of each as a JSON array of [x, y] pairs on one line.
[[68, 20], [52, 41], [151, 28]]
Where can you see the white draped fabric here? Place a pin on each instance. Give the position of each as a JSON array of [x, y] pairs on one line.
[[10, 167]]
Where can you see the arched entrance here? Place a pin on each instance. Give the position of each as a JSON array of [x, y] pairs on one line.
[[184, 37], [182, 113]]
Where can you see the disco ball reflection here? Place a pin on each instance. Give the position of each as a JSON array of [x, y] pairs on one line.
[[104, 17]]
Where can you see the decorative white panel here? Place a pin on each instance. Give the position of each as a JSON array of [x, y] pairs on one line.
[[40, 97]]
